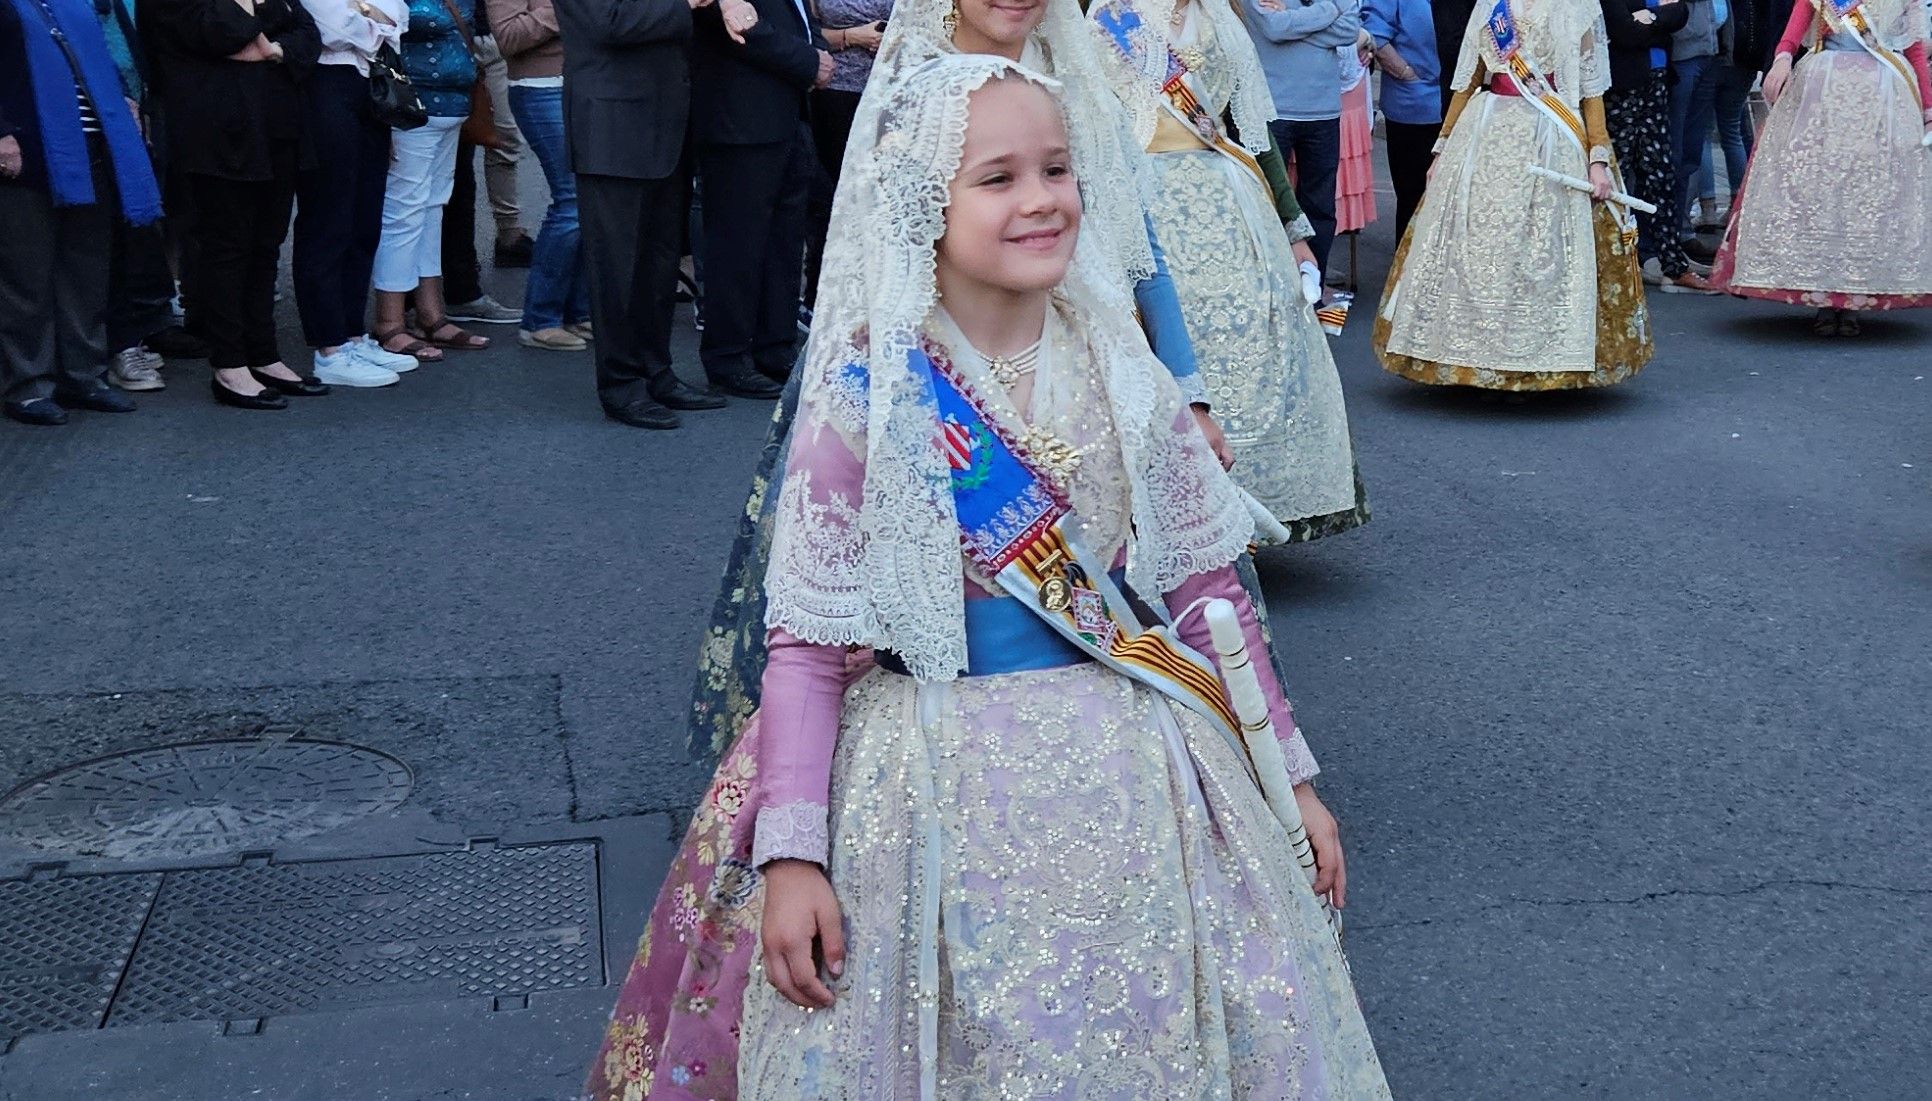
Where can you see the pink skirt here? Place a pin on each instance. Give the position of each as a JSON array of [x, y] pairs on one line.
[[1355, 179]]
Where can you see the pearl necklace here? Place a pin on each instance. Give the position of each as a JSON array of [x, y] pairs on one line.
[[1009, 370]]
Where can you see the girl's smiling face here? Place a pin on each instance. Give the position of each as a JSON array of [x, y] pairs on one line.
[[1014, 211], [996, 26]]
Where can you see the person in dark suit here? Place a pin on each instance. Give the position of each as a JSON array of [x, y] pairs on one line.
[[1452, 20], [627, 94], [750, 127]]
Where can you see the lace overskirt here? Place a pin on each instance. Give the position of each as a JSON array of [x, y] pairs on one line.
[[1263, 357], [1053, 887], [1837, 207], [1501, 270]]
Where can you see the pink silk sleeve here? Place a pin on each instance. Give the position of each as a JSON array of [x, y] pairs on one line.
[[1795, 28], [1916, 55], [798, 717], [1226, 584]]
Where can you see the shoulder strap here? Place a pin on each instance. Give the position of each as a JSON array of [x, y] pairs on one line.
[[463, 25]]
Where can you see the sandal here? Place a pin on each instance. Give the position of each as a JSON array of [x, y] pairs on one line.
[[445, 333], [423, 352], [1825, 324], [1848, 323]]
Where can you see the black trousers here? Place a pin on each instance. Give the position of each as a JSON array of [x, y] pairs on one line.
[[462, 272], [1410, 145], [140, 285], [754, 250], [338, 212], [633, 232], [1639, 120], [1317, 151], [240, 226], [53, 287], [832, 113]]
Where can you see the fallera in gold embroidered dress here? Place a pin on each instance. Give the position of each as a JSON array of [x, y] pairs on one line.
[[1506, 280]]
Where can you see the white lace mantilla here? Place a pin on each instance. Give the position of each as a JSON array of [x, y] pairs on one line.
[[884, 569]]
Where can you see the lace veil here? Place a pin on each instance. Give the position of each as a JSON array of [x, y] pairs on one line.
[[866, 546], [1108, 133], [1140, 73]]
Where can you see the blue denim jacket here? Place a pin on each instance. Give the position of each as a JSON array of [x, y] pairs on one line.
[[436, 58]]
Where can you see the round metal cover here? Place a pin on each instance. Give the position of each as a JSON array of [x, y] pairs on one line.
[[201, 798]]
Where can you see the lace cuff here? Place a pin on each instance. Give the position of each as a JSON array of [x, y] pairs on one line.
[[1193, 390], [1599, 154], [1301, 229], [794, 831], [1301, 762]]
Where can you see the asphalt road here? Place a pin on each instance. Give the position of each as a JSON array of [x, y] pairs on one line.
[[1621, 697]]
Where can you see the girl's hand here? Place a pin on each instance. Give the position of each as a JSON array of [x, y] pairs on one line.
[[1304, 254], [1777, 78], [801, 912], [1325, 836], [1599, 182], [1429, 179], [1217, 439]]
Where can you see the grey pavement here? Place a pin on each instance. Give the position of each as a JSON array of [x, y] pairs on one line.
[[1620, 697]]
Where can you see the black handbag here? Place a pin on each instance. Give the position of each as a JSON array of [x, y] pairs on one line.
[[392, 98]]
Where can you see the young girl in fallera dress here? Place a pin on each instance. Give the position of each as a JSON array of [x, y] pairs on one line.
[[985, 859]]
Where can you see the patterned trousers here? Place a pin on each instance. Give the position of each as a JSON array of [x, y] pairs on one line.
[[1640, 126]]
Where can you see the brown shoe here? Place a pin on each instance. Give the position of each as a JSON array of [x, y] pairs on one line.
[[1689, 283], [555, 340]]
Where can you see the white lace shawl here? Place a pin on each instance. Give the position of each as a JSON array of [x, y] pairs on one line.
[[1564, 37], [1140, 74], [866, 544]]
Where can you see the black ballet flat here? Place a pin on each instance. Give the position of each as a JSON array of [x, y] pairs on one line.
[[267, 399], [299, 388]]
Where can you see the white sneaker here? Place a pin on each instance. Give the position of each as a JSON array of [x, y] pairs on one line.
[[368, 351], [345, 368], [137, 368], [1653, 272]]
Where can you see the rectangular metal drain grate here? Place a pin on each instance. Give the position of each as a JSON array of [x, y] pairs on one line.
[[268, 939], [63, 946]]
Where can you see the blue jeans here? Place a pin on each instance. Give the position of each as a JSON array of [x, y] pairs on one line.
[[557, 293], [1693, 101], [1734, 131]]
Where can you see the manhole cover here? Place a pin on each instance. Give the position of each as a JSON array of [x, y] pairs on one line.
[[202, 798]]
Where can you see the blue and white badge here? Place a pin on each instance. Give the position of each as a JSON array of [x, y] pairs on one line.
[[1502, 30]]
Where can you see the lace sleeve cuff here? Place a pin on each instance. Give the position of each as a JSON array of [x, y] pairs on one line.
[[1193, 390], [1301, 763], [794, 831], [1301, 229]]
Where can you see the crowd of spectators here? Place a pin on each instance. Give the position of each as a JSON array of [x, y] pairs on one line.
[[155, 153]]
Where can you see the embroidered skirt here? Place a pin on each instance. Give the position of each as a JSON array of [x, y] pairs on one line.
[[1054, 885], [1263, 357], [1836, 210]]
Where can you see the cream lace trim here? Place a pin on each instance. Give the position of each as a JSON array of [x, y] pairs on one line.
[[791, 831]]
